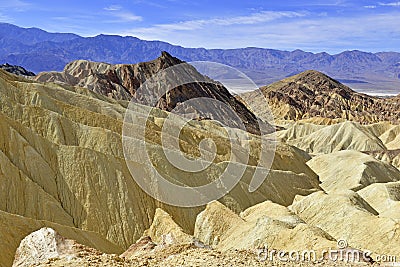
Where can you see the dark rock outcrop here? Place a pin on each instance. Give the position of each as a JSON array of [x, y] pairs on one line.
[[18, 70], [122, 82]]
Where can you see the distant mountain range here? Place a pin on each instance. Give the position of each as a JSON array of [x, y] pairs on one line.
[[38, 50]]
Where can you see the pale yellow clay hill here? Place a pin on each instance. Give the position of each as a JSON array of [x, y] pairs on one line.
[[351, 170], [61, 160]]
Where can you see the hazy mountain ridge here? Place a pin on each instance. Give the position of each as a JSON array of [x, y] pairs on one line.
[[53, 51], [30, 36]]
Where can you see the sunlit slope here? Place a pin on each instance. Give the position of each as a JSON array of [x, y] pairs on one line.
[[62, 161]]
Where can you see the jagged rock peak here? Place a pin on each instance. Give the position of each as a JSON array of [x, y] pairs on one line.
[[314, 74], [122, 82], [18, 70], [311, 82], [166, 57], [164, 61]]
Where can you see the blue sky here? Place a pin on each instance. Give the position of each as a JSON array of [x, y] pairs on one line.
[[331, 26]]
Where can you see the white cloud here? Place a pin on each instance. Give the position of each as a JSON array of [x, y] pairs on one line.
[[287, 30], [16, 5], [395, 4], [5, 18], [113, 8], [327, 3], [255, 18], [117, 12], [370, 7], [151, 3], [127, 16], [191, 25]]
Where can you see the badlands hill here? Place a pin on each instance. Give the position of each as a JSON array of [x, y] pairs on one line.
[[63, 172], [121, 82], [62, 166], [314, 94]]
